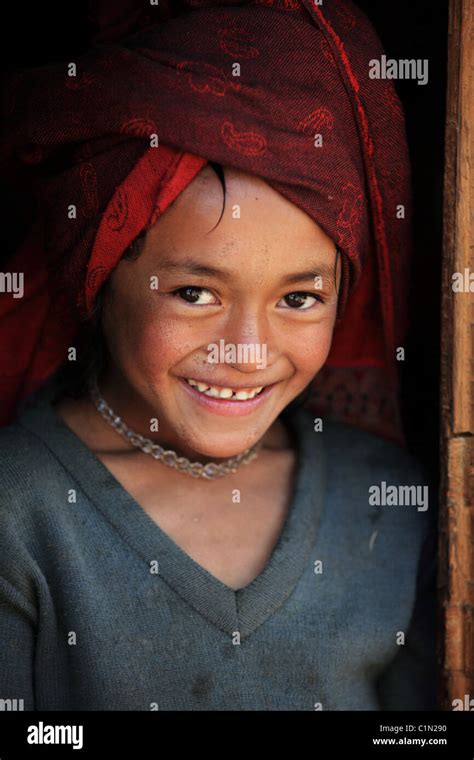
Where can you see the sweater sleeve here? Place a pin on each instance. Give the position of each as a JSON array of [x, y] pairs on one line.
[[17, 634], [409, 682]]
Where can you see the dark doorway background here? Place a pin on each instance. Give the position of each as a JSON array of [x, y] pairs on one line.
[[43, 33], [419, 29]]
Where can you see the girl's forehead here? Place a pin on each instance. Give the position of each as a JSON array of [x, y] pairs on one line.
[[249, 211]]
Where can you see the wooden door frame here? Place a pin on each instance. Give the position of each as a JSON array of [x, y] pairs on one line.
[[456, 515]]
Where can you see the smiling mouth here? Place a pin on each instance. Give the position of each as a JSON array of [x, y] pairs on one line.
[[227, 393]]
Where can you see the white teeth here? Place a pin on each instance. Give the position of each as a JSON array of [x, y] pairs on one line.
[[224, 392], [242, 395]]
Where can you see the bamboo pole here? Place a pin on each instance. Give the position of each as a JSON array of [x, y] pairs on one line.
[[456, 517]]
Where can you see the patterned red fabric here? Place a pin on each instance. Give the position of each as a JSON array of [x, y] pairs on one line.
[[170, 71]]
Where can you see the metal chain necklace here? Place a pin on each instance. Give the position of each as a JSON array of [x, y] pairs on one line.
[[168, 456]]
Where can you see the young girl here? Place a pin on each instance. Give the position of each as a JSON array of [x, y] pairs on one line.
[[178, 532]]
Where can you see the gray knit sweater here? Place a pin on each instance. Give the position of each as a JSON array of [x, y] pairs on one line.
[[101, 610]]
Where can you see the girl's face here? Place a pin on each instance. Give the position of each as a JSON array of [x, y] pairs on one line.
[[247, 304]]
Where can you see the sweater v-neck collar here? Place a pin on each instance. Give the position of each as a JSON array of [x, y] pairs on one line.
[[233, 611]]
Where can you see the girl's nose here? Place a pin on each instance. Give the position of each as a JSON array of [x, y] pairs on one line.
[[247, 340]]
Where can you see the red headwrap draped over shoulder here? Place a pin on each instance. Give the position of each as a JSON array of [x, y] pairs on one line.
[[143, 114]]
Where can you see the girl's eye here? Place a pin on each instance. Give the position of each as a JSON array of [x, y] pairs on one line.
[[191, 295], [297, 300]]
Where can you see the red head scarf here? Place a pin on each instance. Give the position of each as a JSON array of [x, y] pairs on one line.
[[170, 75]]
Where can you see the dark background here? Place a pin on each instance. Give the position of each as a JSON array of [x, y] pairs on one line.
[[38, 33], [418, 29]]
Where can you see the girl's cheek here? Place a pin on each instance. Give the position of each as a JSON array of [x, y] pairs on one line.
[[325, 340], [313, 351], [164, 341]]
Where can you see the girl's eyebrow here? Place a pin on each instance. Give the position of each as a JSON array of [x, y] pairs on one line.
[[194, 266]]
